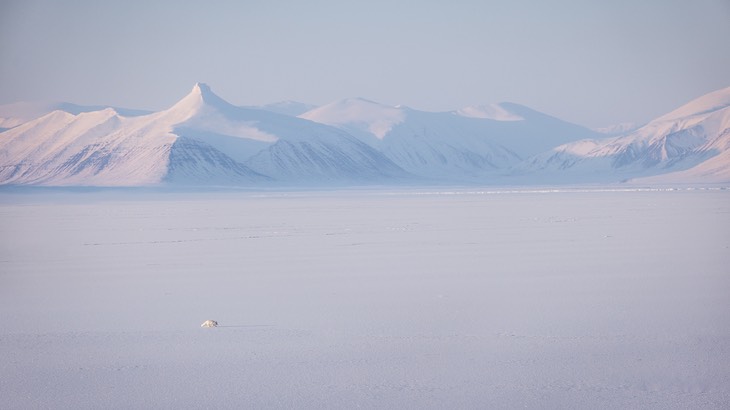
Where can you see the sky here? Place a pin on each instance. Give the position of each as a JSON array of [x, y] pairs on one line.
[[595, 63]]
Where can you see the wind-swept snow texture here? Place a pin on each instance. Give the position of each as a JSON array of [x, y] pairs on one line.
[[380, 299]]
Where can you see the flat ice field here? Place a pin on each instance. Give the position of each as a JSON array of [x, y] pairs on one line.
[[372, 299]]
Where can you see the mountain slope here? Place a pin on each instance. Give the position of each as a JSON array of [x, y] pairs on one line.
[[295, 150], [714, 169], [96, 148], [678, 141]]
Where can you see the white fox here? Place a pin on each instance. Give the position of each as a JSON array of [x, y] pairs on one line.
[[209, 323]]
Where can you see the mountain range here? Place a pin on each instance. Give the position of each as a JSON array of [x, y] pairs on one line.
[[203, 140]]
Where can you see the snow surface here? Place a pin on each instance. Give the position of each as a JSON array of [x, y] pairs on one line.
[[550, 298]]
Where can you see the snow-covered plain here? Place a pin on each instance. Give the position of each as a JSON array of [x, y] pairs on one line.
[[375, 298]]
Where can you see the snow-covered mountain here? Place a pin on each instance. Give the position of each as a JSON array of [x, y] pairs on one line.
[[12, 115], [202, 139], [473, 143], [689, 143]]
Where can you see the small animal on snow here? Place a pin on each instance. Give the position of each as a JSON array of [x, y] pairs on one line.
[[209, 323]]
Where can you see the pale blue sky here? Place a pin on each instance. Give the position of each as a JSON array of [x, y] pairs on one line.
[[591, 62]]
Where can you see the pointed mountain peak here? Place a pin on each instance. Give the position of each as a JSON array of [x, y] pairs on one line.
[[201, 86], [200, 98], [203, 91]]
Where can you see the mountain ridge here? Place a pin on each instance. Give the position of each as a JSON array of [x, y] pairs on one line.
[[202, 139]]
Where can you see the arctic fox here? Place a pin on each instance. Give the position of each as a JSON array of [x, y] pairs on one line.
[[209, 323]]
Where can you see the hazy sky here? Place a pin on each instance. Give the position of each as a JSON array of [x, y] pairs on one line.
[[591, 62]]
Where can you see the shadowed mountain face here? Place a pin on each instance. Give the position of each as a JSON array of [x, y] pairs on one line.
[[204, 140], [195, 162]]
